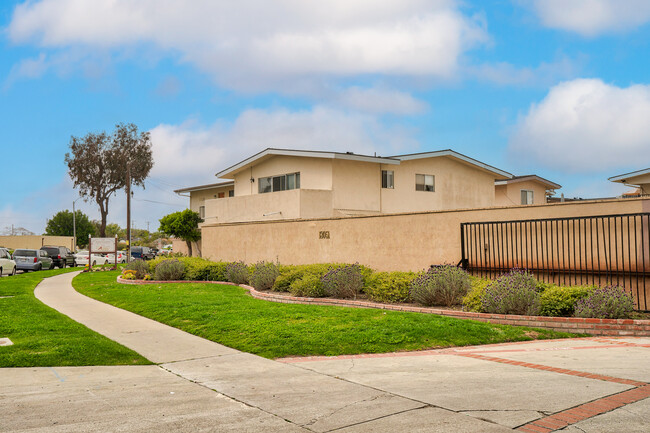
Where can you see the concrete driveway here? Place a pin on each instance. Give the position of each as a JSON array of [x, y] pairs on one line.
[[591, 385]]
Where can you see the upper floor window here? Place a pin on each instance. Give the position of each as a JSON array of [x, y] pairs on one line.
[[387, 179], [231, 193], [526, 196], [278, 183], [202, 212], [425, 182]]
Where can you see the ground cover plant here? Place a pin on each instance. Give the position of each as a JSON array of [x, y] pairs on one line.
[[228, 315], [43, 337]]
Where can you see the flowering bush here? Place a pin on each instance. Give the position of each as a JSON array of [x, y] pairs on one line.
[[140, 267], [610, 302], [169, 270], [512, 293], [128, 274], [264, 275], [237, 272], [148, 277], [440, 285], [344, 282]]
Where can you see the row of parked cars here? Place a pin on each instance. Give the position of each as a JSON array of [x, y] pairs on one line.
[[49, 257]]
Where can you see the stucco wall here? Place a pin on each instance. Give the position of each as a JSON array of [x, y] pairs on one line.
[[356, 185], [35, 242], [510, 194], [386, 242], [457, 186]]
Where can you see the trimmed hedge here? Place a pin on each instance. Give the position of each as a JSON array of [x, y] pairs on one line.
[[389, 286], [561, 301]]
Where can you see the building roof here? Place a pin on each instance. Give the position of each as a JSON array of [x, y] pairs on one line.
[[203, 187], [533, 177], [268, 153], [458, 156], [630, 177]]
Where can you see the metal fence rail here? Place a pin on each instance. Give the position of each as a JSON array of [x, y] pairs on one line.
[[601, 250]]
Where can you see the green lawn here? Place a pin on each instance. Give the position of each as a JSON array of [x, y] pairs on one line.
[[43, 337], [228, 315]]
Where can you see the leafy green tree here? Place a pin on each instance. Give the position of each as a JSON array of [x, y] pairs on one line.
[[113, 230], [61, 224], [182, 225], [98, 164]]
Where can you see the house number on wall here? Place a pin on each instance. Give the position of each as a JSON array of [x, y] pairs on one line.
[[324, 235]]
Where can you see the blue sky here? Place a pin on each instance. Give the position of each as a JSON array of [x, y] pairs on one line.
[[555, 88]]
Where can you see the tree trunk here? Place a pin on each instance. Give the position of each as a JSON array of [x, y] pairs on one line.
[[103, 211], [189, 248]]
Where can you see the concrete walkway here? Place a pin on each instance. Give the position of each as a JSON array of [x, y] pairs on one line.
[[579, 385]]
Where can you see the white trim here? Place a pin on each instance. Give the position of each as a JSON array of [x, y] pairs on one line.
[[534, 177], [456, 155], [204, 187], [305, 154], [625, 178]]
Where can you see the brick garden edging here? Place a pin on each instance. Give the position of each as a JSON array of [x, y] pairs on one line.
[[608, 327]]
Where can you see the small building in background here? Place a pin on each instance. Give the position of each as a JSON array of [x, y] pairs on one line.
[[639, 180], [523, 190]]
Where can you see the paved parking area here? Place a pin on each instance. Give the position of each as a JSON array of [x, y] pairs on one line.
[[593, 384]]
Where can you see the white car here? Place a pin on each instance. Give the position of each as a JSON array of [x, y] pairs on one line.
[[82, 259], [121, 257], [7, 265]]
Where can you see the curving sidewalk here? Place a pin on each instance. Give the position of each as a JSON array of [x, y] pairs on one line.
[[200, 385]]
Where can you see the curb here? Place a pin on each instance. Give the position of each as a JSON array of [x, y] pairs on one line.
[[578, 325]]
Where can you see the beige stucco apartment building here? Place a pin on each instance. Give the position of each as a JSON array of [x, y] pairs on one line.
[[297, 184]]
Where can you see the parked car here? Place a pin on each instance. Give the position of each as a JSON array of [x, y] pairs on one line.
[[32, 260], [121, 257], [61, 256], [143, 253], [82, 259], [7, 264]]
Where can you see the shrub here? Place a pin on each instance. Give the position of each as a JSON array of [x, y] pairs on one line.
[[236, 272], [473, 301], [196, 268], [128, 274], [169, 270], [512, 293], [389, 286], [140, 267], [440, 285], [309, 285], [289, 274], [560, 301], [344, 282], [610, 302], [264, 275]]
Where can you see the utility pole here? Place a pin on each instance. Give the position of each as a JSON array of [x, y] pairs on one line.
[[74, 229], [128, 210], [147, 226]]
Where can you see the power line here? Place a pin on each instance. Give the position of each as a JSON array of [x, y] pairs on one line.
[[158, 202]]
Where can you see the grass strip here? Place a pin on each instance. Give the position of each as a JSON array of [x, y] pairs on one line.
[[229, 316], [43, 337]]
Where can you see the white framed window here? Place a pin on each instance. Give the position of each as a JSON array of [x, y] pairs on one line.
[[526, 196], [388, 179], [202, 212], [425, 182], [278, 183]]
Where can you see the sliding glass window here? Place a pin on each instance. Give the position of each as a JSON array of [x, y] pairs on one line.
[[279, 183]]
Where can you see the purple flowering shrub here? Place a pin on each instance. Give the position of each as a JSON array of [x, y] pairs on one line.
[[610, 302], [512, 293], [343, 282], [169, 270], [264, 275], [441, 285], [237, 272]]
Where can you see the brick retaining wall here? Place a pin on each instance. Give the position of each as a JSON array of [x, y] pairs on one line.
[[608, 327]]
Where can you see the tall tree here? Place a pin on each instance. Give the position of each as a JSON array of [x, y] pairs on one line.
[[98, 164], [183, 225], [62, 224]]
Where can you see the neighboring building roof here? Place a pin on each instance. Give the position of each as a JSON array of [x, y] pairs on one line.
[[203, 187], [630, 177], [267, 153], [456, 155], [533, 177]]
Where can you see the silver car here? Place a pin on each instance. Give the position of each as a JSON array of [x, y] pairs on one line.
[[32, 260], [7, 264]]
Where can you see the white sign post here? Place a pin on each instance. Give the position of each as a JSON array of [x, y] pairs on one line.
[[101, 246]]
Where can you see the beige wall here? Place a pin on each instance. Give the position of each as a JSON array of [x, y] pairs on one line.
[[510, 194], [386, 242], [198, 198], [457, 186], [356, 186], [315, 173], [35, 242]]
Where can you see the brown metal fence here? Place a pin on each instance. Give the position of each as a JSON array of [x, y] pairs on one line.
[[601, 250]]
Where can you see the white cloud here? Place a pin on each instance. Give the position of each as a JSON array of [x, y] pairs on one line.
[[380, 100], [254, 45], [586, 126], [593, 17]]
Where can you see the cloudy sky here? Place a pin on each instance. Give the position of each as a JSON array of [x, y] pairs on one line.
[[558, 88]]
